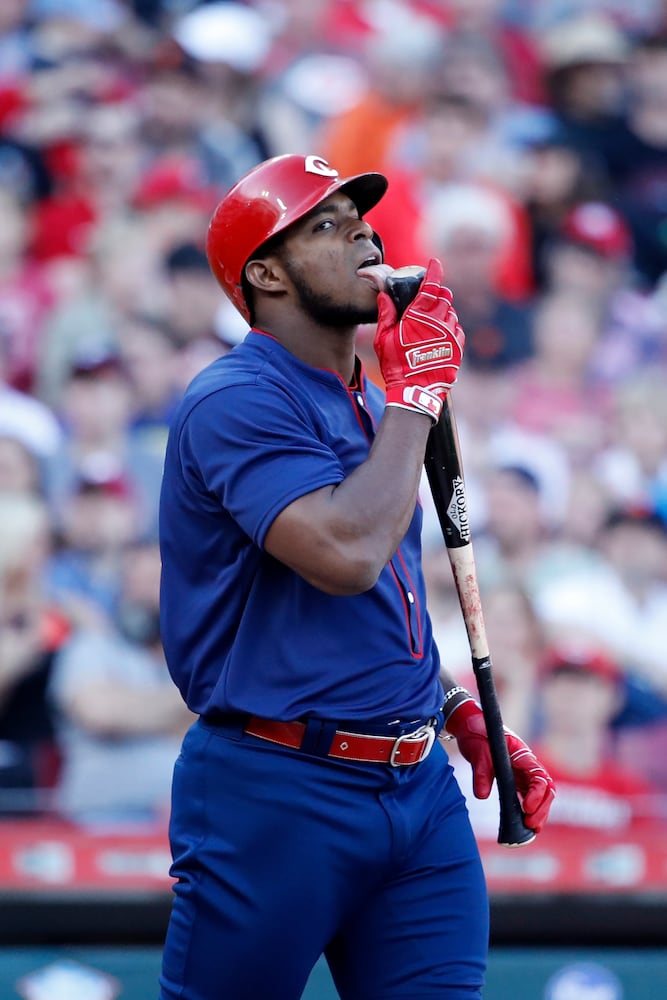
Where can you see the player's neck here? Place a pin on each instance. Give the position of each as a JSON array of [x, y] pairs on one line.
[[319, 347]]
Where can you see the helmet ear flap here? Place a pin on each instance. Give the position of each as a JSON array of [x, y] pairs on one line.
[[377, 240]]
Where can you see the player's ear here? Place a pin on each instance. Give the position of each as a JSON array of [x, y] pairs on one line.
[[266, 274]]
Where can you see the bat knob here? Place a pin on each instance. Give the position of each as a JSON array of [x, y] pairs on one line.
[[403, 284]]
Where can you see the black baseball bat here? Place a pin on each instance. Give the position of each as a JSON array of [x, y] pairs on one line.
[[444, 471]]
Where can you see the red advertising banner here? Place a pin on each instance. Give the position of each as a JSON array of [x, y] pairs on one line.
[[49, 855], [581, 861]]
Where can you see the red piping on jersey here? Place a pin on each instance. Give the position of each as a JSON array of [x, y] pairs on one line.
[[415, 654], [355, 407], [413, 591]]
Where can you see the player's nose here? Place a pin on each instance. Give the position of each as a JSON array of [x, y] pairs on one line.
[[361, 230]]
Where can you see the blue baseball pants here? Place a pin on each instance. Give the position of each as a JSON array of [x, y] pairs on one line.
[[280, 856]]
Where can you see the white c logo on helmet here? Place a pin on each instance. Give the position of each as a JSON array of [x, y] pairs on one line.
[[316, 165]]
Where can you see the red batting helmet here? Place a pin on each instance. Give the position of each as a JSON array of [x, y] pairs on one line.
[[267, 200]]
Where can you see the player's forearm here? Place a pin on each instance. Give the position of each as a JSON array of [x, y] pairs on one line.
[[374, 505], [341, 537]]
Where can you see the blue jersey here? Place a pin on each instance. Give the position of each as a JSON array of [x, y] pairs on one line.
[[242, 632]]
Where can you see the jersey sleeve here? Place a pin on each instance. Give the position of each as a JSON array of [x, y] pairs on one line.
[[256, 449]]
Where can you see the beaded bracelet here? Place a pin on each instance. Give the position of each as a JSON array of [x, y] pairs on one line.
[[458, 695], [455, 690]]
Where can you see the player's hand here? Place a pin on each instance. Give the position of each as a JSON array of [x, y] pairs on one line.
[[420, 354], [534, 784]]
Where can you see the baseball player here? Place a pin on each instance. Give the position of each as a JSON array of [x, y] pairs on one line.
[[313, 810]]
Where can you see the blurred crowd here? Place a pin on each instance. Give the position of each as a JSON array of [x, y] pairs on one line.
[[526, 146]]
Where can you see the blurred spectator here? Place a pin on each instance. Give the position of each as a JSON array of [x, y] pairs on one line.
[[207, 104], [301, 26], [515, 636], [26, 418], [174, 202], [120, 276], [150, 352], [554, 177], [636, 157], [584, 57], [542, 458], [445, 141], [485, 20], [192, 296], [23, 170], [619, 597], [599, 228], [26, 295], [97, 412], [642, 746], [118, 715], [20, 469], [591, 254], [151, 13], [469, 228], [314, 70], [170, 108], [581, 694], [586, 509], [97, 518], [522, 495], [14, 38], [475, 69], [516, 532], [106, 165], [441, 136], [642, 16], [633, 466], [554, 392], [31, 630], [402, 59]]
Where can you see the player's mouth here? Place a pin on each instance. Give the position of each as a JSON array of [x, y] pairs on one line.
[[374, 271]]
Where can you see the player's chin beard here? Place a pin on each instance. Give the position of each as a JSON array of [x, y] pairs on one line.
[[325, 310]]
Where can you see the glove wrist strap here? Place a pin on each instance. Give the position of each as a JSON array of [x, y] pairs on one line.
[[415, 397]]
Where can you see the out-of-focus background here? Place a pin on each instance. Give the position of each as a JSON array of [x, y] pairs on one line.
[[526, 146]]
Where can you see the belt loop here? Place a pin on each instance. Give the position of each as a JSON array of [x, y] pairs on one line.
[[318, 737], [232, 725]]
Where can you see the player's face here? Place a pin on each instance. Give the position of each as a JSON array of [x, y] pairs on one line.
[[322, 256]]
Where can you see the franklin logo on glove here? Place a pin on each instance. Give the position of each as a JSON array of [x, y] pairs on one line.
[[419, 357]]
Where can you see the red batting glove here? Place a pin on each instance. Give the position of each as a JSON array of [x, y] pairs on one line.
[[534, 784], [420, 354]]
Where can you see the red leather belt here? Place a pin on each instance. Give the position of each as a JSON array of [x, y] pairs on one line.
[[410, 748]]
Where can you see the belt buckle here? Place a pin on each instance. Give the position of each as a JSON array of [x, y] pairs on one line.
[[427, 731]]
